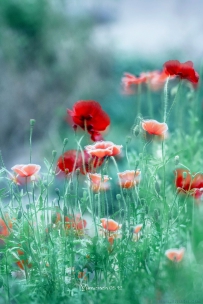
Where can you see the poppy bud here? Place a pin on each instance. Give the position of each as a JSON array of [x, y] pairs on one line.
[[19, 215], [32, 122], [65, 141], [118, 197], [27, 206], [177, 160], [136, 130], [65, 210], [54, 153], [57, 191], [128, 139], [1, 281]]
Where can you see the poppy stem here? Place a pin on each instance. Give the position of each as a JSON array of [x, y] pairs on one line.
[[32, 123], [174, 101], [166, 98]]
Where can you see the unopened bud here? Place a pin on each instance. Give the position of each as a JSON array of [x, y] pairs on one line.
[[128, 139], [65, 141], [27, 206], [54, 153], [118, 197], [136, 130], [65, 210], [57, 191], [19, 215], [177, 160], [32, 122]]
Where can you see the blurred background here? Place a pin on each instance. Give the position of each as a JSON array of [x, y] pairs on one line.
[[53, 53]]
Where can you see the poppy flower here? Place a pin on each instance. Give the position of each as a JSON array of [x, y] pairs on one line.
[[157, 80], [72, 160], [99, 182], [174, 254], [23, 263], [88, 114], [154, 127], [4, 231], [129, 178], [130, 81], [185, 182], [137, 228], [110, 224], [183, 70], [103, 148], [26, 170], [75, 222]]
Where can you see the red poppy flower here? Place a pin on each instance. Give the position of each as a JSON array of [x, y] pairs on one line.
[[154, 127], [26, 170], [72, 160], [174, 254], [189, 183], [23, 263], [103, 148], [183, 70], [130, 80], [89, 115], [137, 228]]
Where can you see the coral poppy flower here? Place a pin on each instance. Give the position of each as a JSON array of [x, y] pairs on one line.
[[157, 80], [4, 231], [154, 127], [88, 114], [23, 263], [129, 178], [110, 224], [137, 228], [183, 70], [99, 182], [174, 254], [26, 170], [75, 222], [103, 148]]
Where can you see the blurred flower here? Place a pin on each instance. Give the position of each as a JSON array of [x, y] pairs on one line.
[[4, 231], [183, 70], [156, 80], [75, 222], [72, 160], [174, 254], [154, 127], [26, 170], [89, 115], [110, 224], [23, 263], [129, 178], [137, 228], [103, 148], [188, 184], [130, 80], [18, 274], [99, 182]]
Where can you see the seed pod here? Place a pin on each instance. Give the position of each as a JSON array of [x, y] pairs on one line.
[[65, 141], [54, 153], [32, 122], [176, 160], [57, 191]]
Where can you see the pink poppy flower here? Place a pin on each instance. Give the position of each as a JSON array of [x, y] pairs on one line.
[[103, 148], [26, 170]]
